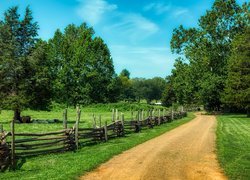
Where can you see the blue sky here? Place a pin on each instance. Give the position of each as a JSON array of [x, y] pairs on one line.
[[138, 32]]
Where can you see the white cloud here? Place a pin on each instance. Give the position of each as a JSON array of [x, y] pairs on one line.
[[159, 8], [133, 26], [180, 12], [92, 11]]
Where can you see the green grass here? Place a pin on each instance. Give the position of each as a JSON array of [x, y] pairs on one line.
[[71, 165], [233, 145], [105, 110]]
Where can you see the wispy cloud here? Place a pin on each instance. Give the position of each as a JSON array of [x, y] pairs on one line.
[[159, 8], [92, 11], [134, 26], [180, 12]]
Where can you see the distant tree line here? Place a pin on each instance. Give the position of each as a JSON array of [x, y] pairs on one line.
[[74, 67], [137, 89], [214, 64]]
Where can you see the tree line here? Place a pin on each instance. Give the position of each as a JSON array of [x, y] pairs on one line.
[[74, 67], [214, 65]]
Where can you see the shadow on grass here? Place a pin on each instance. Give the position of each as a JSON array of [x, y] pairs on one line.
[[234, 116]]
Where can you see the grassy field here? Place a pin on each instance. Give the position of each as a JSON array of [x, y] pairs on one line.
[[105, 110], [233, 144], [71, 165]]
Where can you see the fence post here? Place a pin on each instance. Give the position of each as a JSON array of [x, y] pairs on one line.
[[100, 121], [113, 115], [13, 158], [172, 114], [1, 128], [142, 115], [159, 118], [132, 115], [106, 131], [94, 121], [116, 114], [122, 123], [77, 127], [65, 118]]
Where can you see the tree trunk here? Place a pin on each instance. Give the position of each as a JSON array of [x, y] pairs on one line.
[[17, 115], [248, 112]]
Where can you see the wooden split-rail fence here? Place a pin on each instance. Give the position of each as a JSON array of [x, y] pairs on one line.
[[14, 146]]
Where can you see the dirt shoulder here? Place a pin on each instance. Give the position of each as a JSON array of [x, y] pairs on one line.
[[187, 152]]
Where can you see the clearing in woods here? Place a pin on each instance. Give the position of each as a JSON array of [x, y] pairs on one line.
[[187, 152]]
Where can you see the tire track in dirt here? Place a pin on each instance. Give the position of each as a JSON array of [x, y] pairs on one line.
[[186, 152]]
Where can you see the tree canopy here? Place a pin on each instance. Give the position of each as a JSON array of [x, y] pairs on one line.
[[18, 37], [206, 49], [237, 87]]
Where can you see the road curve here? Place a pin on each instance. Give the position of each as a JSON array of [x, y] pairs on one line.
[[186, 152]]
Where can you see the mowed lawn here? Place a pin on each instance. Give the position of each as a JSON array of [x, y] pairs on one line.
[[233, 145]]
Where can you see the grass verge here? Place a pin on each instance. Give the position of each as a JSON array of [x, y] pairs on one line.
[[233, 145], [71, 165]]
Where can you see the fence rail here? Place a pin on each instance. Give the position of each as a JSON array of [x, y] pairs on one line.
[[15, 145]]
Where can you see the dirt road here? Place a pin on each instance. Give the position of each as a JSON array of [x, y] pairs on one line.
[[187, 152]]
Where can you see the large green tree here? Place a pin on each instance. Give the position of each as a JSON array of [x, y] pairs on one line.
[[17, 39], [208, 48], [127, 92], [168, 95], [82, 67], [40, 87], [237, 89]]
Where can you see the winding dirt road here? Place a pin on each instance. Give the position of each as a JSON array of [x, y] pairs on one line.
[[187, 152]]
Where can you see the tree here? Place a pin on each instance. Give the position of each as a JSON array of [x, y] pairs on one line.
[[168, 95], [127, 92], [153, 89], [237, 89], [138, 85], [40, 87], [126, 73], [17, 39], [208, 48], [114, 89], [82, 67]]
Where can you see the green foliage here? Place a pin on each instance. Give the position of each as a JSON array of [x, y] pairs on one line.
[[233, 144], [74, 67], [207, 48], [126, 73], [17, 39], [237, 90], [126, 90], [82, 66], [149, 89], [40, 88], [168, 96]]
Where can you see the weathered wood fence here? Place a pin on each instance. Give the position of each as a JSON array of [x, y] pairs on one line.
[[18, 145]]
